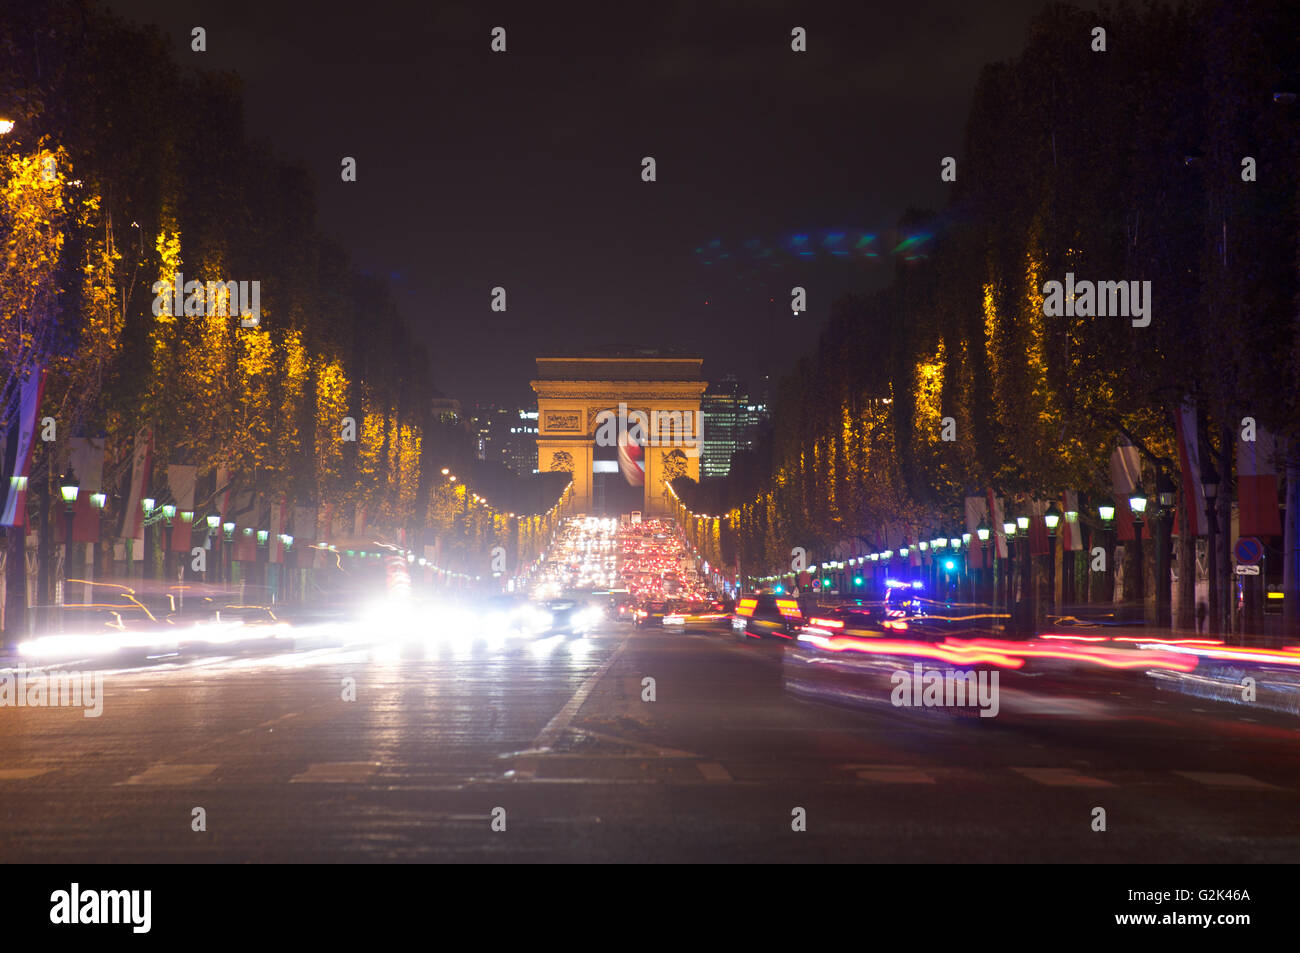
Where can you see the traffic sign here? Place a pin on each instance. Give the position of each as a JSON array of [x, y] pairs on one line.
[[1244, 570], [1249, 551]]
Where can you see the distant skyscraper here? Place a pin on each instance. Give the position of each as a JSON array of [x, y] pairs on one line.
[[506, 435], [726, 419]]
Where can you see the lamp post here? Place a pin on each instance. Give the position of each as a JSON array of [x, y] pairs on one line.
[[214, 545], [169, 514], [68, 489], [1053, 519], [986, 589], [1009, 565], [98, 501], [1025, 604], [1164, 580], [1069, 566], [1106, 512], [1210, 481], [146, 558], [1138, 504], [228, 536]]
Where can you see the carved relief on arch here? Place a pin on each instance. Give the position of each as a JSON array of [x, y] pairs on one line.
[[593, 413]]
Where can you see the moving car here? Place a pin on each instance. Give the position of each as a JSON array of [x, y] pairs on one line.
[[650, 614], [570, 617], [766, 615], [695, 615], [858, 620]]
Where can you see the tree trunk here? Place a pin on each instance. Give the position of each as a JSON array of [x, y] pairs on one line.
[[1185, 610], [15, 607], [1290, 556]]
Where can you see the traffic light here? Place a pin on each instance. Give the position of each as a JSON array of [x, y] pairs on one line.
[[857, 580]]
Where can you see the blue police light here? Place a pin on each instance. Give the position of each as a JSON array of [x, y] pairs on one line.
[[949, 565], [918, 585], [780, 590]]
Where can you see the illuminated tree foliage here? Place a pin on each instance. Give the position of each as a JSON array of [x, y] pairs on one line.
[[122, 170], [1116, 166]]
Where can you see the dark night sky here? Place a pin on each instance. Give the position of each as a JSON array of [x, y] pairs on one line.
[[522, 169]]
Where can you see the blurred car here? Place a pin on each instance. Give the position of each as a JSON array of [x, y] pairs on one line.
[[860, 620], [696, 615], [766, 615], [650, 614], [570, 617], [508, 616]]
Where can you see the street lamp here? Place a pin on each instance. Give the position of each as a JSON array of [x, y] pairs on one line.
[[1138, 504], [214, 527], [982, 531], [6, 126], [228, 529], [68, 489], [169, 514], [1053, 519], [1165, 495], [1210, 483]]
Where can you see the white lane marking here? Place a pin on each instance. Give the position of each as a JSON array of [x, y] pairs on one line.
[[22, 774], [271, 723], [1062, 778], [712, 771], [556, 726], [337, 772], [892, 773], [1226, 779], [169, 774], [643, 749]]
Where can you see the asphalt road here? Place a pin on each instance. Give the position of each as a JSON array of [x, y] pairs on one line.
[[559, 736]]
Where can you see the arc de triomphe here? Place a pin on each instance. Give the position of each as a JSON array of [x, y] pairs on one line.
[[660, 393]]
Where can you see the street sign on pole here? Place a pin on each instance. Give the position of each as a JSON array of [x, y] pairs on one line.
[[1249, 551], [1244, 570]]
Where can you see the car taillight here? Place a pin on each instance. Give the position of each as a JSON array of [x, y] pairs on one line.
[[826, 623], [895, 624], [788, 608]]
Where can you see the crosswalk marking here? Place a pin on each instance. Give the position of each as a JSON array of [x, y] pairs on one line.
[[337, 772], [1226, 779], [892, 773], [1062, 778], [172, 774]]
